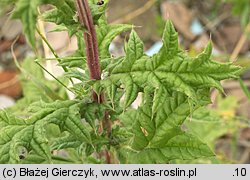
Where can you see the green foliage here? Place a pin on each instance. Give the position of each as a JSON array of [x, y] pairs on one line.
[[158, 137], [106, 33], [174, 81], [29, 133], [216, 122], [171, 84], [171, 68], [241, 8], [63, 14], [36, 87], [27, 13], [211, 124], [244, 89]]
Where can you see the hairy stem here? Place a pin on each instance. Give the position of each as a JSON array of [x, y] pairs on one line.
[[90, 38]]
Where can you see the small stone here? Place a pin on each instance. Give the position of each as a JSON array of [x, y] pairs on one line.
[[6, 101]]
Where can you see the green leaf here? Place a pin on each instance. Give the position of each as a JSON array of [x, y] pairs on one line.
[[97, 11], [134, 52], [26, 11], [182, 146], [73, 62], [63, 15], [171, 68], [170, 41], [244, 89], [58, 17], [173, 86], [159, 98], [17, 133], [30, 133], [131, 91], [158, 137], [106, 33], [65, 142], [92, 113], [111, 91]]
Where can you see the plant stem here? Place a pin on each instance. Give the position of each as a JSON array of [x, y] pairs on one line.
[[90, 38], [50, 47], [53, 52]]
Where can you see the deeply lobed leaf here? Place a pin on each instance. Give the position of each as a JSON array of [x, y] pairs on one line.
[[30, 132], [158, 137], [173, 85], [171, 68]]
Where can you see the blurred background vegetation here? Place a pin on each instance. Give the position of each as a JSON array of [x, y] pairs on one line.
[[224, 124]]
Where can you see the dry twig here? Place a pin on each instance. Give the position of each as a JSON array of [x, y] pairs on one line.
[[135, 13]]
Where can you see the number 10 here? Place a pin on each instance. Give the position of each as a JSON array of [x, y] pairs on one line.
[[241, 171]]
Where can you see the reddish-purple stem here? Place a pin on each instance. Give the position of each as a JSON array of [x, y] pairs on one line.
[[86, 20]]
